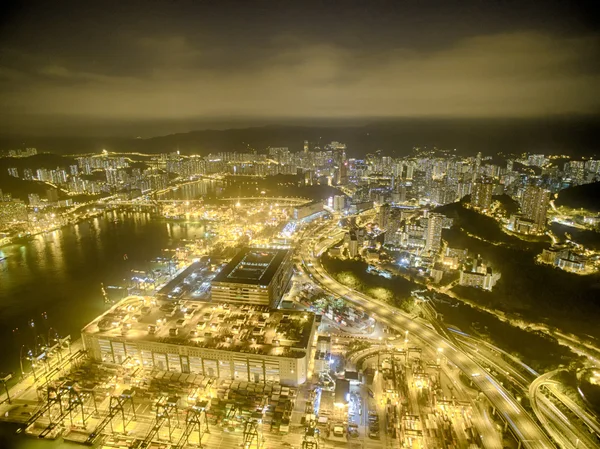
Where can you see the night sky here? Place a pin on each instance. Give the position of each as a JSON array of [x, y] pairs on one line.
[[63, 63]]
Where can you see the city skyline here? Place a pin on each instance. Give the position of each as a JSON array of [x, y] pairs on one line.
[[299, 225]]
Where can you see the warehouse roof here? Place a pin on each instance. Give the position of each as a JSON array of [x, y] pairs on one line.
[[255, 266]]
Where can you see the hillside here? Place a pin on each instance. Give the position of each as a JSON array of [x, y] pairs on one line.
[[394, 137], [585, 196]]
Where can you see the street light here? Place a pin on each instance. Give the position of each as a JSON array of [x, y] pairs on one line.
[[5, 378]]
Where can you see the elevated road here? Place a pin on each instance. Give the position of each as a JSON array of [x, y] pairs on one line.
[[558, 425], [523, 426]]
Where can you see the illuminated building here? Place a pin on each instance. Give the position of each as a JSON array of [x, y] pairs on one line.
[[246, 343], [34, 199], [476, 167], [323, 354], [257, 276], [536, 160], [409, 171], [481, 197], [534, 206], [384, 216], [463, 189], [339, 203], [353, 244], [111, 176], [433, 232], [43, 174], [52, 195], [572, 263], [520, 224], [575, 170], [306, 210], [478, 275], [593, 166], [564, 257]]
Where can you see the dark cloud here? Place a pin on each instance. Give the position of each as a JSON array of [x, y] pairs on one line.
[[184, 60]]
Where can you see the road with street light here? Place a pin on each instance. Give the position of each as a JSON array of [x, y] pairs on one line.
[[522, 424]]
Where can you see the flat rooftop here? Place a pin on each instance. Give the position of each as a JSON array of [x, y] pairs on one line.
[[255, 266], [229, 327], [191, 283]]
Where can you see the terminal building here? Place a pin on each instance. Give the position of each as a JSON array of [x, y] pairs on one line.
[[306, 210], [243, 342], [257, 276]]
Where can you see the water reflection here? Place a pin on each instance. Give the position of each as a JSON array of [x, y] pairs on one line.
[[192, 190], [60, 273]]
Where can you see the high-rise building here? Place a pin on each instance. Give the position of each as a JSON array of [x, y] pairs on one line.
[[593, 166], [384, 216], [409, 171], [399, 194], [463, 189], [534, 206], [34, 199], [339, 203], [476, 167], [576, 171], [433, 232], [111, 176], [43, 174], [353, 244], [397, 169], [393, 233], [481, 197], [52, 195], [536, 160], [58, 176]]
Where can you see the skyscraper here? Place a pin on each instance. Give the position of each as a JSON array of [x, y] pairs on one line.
[[43, 174], [433, 233], [384, 216], [409, 171], [476, 167], [534, 206], [481, 197]]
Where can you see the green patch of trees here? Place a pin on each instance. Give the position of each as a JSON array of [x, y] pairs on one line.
[[353, 273]]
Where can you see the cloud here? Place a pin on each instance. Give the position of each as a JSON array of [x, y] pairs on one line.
[[508, 74]]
